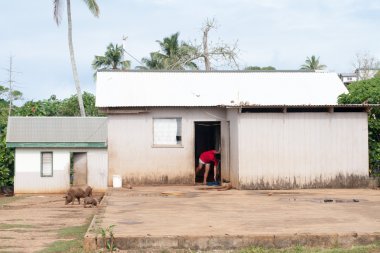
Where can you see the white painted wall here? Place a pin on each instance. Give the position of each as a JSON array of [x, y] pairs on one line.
[[133, 156], [285, 150], [350, 79], [28, 170]]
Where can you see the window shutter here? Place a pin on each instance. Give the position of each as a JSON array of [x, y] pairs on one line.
[[47, 164], [165, 131]]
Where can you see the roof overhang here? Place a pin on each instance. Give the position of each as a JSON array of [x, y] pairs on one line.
[[56, 145], [250, 108], [306, 108]]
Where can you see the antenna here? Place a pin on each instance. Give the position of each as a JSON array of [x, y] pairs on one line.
[[124, 42], [10, 84]]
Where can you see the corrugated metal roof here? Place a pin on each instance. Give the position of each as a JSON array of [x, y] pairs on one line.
[[143, 88], [57, 129]]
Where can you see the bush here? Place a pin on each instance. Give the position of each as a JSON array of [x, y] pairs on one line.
[[368, 91]]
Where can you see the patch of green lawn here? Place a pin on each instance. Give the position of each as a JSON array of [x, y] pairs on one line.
[[7, 200], [11, 226], [372, 248], [71, 239], [70, 246]]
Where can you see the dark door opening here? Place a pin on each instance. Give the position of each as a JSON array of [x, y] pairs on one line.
[[207, 137]]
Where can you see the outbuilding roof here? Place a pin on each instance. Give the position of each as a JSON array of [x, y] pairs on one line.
[[57, 132], [216, 88]]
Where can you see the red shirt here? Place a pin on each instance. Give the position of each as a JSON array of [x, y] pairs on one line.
[[208, 157]]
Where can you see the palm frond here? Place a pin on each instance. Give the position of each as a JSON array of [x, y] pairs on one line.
[[57, 11], [312, 63], [125, 65], [93, 7], [112, 59]]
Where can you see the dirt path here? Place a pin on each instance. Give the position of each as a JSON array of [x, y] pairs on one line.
[[31, 223]]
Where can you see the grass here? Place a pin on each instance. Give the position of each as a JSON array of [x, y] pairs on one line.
[[70, 239], [372, 248], [70, 246], [11, 226], [7, 200]]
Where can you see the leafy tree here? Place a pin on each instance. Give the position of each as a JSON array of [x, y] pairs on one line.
[[69, 107], [93, 7], [368, 91], [6, 161], [312, 63], [56, 107], [259, 68], [47, 107], [112, 59], [173, 55]]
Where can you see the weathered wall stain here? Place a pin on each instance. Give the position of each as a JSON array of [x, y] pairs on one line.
[[158, 179], [339, 181]]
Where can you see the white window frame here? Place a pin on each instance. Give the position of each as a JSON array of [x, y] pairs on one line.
[[42, 164], [174, 141]]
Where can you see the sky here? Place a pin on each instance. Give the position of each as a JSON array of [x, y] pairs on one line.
[[279, 33]]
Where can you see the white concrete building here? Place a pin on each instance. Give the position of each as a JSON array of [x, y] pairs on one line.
[[348, 78], [51, 153], [276, 130]]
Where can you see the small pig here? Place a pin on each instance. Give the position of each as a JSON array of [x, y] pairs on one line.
[[90, 202], [77, 193]]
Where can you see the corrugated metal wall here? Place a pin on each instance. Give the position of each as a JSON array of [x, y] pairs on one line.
[[28, 176], [97, 169], [133, 156], [292, 150], [225, 148], [232, 116]]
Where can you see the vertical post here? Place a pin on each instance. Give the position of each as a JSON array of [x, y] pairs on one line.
[[10, 92]]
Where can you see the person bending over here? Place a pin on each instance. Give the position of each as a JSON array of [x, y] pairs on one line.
[[205, 159]]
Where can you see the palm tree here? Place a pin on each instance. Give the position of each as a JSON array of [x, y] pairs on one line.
[[112, 59], [312, 63], [93, 7], [173, 55]]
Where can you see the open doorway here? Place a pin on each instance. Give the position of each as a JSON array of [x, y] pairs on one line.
[[78, 169], [207, 137]]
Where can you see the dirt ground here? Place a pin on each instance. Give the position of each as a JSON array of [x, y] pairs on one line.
[[31, 223], [178, 217]]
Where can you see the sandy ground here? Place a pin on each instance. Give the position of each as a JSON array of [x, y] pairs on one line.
[[165, 216], [165, 211], [30, 223]]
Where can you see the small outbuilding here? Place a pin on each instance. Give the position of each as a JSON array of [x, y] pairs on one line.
[[275, 130], [52, 153]]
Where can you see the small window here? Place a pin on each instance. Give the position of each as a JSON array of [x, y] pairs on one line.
[[46, 164], [167, 131]]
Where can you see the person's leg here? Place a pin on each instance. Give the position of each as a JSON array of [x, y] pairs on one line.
[[207, 168], [215, 171], [197, 169]]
